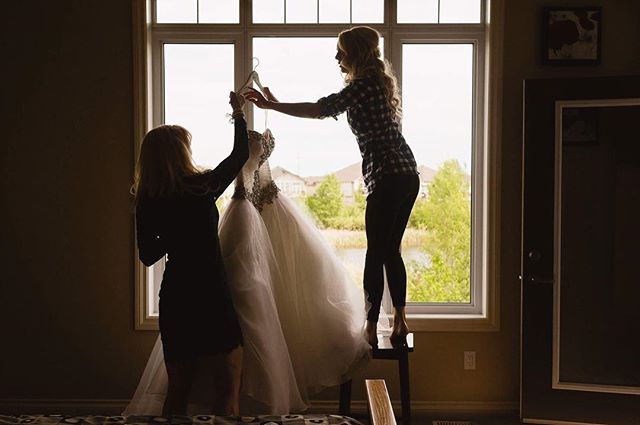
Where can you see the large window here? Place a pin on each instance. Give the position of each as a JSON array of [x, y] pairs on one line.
[[201, 49]]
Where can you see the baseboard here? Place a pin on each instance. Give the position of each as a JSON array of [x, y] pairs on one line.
[[63, 406], [116, 406], [429, 407]]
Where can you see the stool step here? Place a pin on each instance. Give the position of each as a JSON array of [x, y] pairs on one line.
[[386, 350], [380, 407]]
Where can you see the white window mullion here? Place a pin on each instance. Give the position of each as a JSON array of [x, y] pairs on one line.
[[248, 67], [157, 81], [478, 185]]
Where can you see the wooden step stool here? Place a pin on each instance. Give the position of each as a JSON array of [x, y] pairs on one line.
[[385, 351]]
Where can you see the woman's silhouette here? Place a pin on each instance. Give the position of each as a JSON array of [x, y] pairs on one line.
[[176, 216], [372, 103]]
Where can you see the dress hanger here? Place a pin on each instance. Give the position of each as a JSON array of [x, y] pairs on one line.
[[253, 77]]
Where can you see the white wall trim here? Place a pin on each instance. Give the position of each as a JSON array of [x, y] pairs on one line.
[[116, 406], [141, 21], [428, 407], [557, 383], [63, 406], [555, 422]]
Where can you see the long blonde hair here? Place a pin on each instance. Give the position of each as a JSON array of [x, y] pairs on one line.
[[164, 163], [363, 59]]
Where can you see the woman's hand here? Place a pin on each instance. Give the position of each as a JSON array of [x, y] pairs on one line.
[[300, 109], [269, 95], [255, 97], [236, 101]]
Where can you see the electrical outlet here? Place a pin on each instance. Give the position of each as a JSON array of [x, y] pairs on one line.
[[469, 360]]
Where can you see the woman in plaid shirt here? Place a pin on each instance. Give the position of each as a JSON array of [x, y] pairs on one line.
[[372, 103]]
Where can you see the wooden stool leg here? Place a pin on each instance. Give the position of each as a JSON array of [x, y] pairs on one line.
[[405, 395], [345, 398]]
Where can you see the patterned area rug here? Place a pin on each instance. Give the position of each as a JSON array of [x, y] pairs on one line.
[[181, 420]]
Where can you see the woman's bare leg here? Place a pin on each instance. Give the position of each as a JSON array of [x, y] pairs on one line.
[[371, 333], [234, 374], [400, 328], [226, 380], [180, 374]]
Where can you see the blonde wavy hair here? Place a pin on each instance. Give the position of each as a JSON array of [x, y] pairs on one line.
[[164, 163], [360, 46]]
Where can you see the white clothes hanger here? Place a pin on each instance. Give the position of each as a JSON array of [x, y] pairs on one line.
[[255, 78]]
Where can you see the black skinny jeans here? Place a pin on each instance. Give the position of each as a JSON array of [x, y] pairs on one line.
[[386, 217]]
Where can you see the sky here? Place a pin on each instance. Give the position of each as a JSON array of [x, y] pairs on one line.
[[325, 11], [436, 95]]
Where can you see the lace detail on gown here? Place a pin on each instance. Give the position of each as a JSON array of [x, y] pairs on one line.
[[254, 182]]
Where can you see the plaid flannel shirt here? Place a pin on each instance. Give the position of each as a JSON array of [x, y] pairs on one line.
[[382, 146]]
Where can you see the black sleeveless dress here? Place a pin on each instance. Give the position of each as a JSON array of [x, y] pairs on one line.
[[197, 316]]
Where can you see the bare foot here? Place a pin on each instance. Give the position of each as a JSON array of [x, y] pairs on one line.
[[398, 337], [371, 333]]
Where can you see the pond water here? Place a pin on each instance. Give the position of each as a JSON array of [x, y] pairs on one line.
[[355, 256]]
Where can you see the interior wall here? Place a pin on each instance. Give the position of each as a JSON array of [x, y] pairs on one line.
[[67, 293]]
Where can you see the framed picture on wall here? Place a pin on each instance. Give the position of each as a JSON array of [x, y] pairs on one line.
[[571, 35]]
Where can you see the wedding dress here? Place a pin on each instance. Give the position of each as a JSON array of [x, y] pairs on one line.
[[300, 313]]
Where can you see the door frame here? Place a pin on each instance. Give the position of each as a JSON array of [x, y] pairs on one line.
[[557, 237]]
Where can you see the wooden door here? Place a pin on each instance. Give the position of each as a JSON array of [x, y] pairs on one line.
[[580, 317]]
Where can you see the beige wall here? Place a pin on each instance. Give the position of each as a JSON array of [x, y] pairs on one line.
[[66, 296], [66, 303]]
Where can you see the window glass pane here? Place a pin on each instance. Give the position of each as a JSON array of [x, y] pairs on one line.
[[307, 152], [303, 69], [335, 11], [268, 11], [197, 82], [368, 11], [219, 12], [459, 11], [155, 273], [418, 11], [437, 123], [176, 11], [302, 11]]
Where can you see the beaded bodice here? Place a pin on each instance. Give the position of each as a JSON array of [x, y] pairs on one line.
[[254, 182]]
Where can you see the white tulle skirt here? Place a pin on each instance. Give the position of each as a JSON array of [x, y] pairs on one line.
[[300, 313], [321, 310]]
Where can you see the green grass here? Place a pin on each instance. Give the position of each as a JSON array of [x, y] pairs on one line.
[[358, 239]]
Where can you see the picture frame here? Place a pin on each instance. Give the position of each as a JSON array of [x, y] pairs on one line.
[[571, 35]]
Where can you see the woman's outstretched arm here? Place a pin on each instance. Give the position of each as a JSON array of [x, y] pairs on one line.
[[221, 177], [300, 109]]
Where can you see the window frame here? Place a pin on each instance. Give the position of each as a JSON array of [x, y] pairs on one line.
[[482, 314], [476, 39]]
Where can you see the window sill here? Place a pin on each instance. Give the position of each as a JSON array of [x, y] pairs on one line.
[[149, 323], [417, 323], [452, 323]]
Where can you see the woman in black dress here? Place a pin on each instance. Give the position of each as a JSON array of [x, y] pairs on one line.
[[372, 103], [176, 216]]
